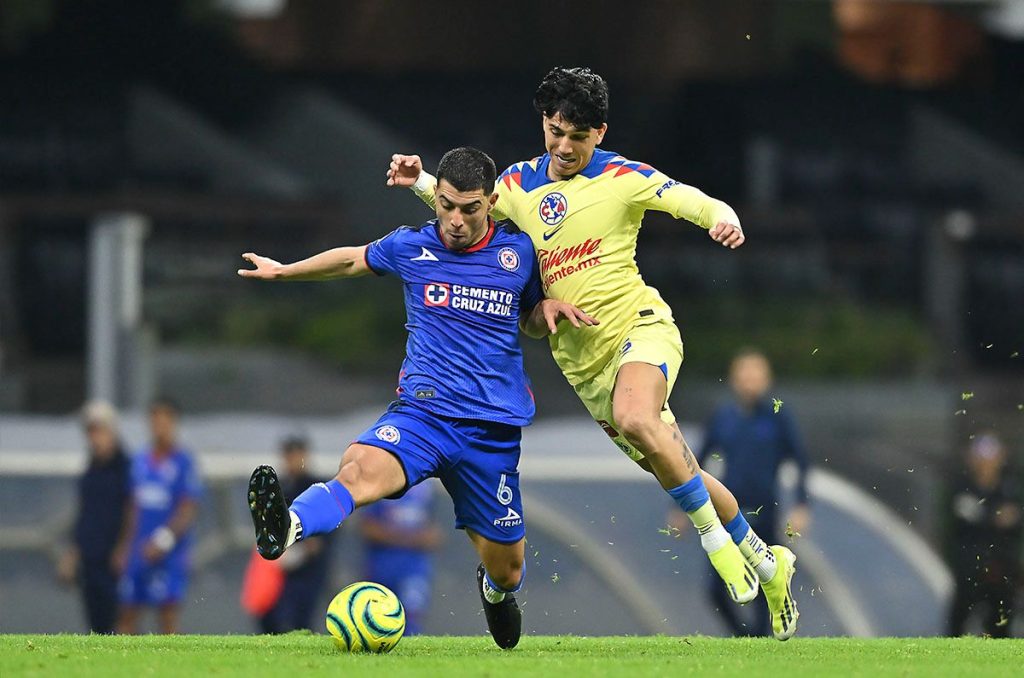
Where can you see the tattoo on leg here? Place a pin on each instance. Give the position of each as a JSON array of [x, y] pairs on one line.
[[691, 461]]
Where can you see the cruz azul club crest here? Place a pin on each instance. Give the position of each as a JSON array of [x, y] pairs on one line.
[[553, 208], [388, 434], [508, 259]]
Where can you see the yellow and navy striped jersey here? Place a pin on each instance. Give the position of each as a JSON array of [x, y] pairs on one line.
[[584, 230]]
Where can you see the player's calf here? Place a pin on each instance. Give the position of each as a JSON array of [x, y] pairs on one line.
[[504, 618]]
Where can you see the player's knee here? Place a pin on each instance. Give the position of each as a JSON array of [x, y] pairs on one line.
[[352, 473], [638, 427]]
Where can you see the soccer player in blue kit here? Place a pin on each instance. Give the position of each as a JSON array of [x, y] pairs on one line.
[[470, 286]]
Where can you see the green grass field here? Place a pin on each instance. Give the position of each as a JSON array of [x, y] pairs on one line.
[[301, 655]]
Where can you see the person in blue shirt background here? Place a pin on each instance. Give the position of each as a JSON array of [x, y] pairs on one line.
[[470, 286], [753, 437], [400, 537], [165, 489]]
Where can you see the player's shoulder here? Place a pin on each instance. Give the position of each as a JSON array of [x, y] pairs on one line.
[[409, 233], [526, 174], [614, 165], [508, 233]]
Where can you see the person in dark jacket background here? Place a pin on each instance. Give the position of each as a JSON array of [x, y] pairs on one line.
[[753, 435], [985, 539], [103, 496]]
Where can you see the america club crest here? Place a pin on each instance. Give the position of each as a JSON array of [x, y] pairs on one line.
[[553, 208], [508, 259], [388, 434]]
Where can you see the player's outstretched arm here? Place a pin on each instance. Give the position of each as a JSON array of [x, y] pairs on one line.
[[407, 171], [543, 318], [340, 262], [660, 192]]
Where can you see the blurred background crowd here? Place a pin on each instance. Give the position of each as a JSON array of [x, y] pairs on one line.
[[855, 368]]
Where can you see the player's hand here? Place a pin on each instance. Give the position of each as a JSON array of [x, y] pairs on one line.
[[404, 170], [266, 268], [119, 559], [152, 553], [554, 310], [730, 235], [67, 567]]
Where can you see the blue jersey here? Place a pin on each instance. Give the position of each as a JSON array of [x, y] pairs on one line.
[[463, 358], [159, 485]]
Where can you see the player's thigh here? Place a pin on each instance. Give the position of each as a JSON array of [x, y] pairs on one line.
[[370, 473], [483, 482], [403, 448], [648, 364]]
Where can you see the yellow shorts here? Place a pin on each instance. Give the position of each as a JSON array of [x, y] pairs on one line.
[[657, 344]]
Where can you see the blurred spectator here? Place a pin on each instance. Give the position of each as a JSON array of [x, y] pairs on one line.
[[753, 435], [985, 539], [401, 536], [306, 563], [165, 489], [102, 518]]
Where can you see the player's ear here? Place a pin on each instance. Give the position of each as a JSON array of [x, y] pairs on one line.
[[492, 200], [601, 131]]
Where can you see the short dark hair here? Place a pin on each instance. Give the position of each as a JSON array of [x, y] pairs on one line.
[[294, 443], [468, 169], [579, 95]]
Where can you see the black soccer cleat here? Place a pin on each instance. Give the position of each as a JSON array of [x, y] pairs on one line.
[[269, 512], [504, 619]]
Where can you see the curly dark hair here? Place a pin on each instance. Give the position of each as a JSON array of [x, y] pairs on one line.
[[467, 169], [579, 95]]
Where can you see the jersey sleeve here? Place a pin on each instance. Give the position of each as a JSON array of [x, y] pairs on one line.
[[504, 208], [657, 191], [796, 451], [380, 254], [424, 188]]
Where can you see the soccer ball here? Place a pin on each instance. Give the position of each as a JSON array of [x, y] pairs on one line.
[[366, 617]]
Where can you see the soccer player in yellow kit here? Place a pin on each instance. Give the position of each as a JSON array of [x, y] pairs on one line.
[[582, 206]]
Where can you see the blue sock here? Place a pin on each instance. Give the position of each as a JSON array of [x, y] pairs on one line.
[[691, 495], [323, 507], [738, 527]]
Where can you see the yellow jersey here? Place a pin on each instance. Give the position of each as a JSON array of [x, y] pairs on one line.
[[584, 230]]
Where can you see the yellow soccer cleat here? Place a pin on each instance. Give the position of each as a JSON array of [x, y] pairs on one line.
[[779, 595], [740, 579]]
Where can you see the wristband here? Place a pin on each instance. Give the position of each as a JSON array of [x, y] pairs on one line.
[[423, 183], [163, 538]]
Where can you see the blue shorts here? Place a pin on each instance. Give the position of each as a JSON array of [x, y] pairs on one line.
[[160, 584], [477, 462]]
